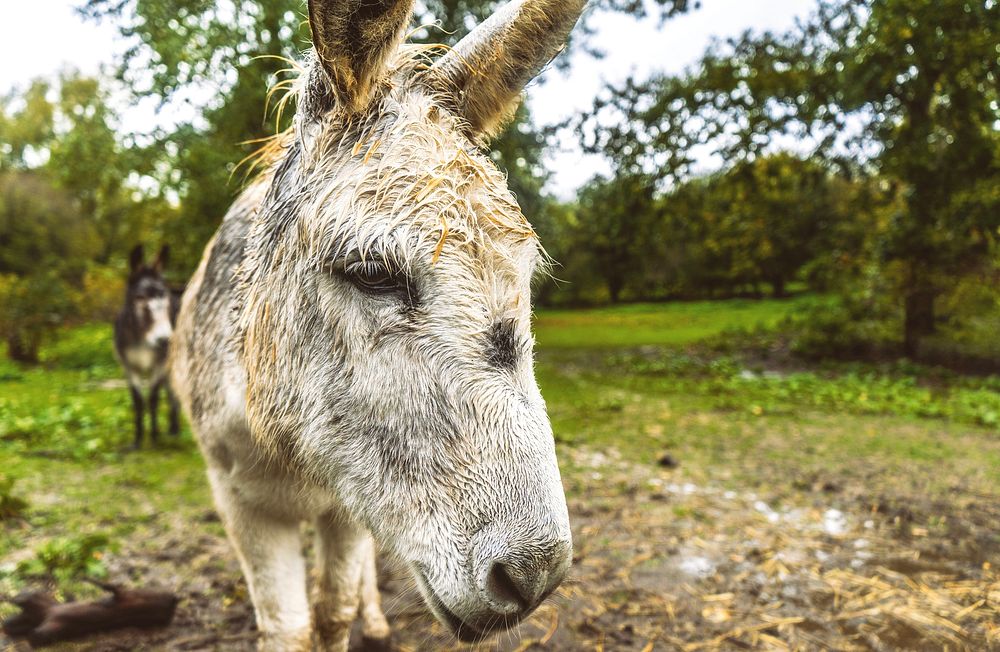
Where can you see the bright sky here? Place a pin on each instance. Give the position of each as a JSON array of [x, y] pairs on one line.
[[632, 47]]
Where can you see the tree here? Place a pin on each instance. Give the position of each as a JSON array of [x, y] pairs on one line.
[[23, 129], [44, 248], [71, 206], [773, 213], [611, 221], [903, 89], [69, 131]]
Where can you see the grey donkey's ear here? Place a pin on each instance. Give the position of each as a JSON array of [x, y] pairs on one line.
[[353, 40], [489, 68], [135, 258]]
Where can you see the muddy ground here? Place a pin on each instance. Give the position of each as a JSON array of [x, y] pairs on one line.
[[663, 564]]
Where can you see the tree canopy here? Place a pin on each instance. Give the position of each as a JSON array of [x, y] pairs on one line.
[[903, 89]]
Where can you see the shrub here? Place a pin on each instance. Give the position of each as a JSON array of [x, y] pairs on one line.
[[100, 295], [34, 306], [46, 242], [68, 558]]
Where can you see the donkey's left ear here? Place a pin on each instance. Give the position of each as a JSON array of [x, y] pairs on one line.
[[353, 40], [486, 72], [161, 258], [135, 258]]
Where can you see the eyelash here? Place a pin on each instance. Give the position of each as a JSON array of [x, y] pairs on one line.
[[374, 276]]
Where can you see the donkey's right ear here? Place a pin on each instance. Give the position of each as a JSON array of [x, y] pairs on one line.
[[486, 71], [135, 258], [162, 258], [353, 40]]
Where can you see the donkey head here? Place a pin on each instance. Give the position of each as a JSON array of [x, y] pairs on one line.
[[384, 318], [147, 297]]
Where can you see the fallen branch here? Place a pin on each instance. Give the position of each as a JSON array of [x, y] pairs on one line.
[[44, 621]]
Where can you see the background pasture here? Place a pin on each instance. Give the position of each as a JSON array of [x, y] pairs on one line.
[[720, 495]]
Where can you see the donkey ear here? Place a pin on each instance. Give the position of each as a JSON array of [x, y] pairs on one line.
[[161, 258], [135, 258], [488, 69], [353, 40]]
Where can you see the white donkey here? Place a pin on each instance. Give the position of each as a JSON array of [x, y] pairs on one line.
[[355, 347]]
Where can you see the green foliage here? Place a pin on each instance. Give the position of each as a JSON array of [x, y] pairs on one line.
[[46, 244], [102, 289], [773, 221], [761, 222], [905, 90], [69, 558], [850, 326], [614, 218], [70, 207], [85, 348], [67, 430], [905, 390], [74, 408], [34, 307], [79, 151], [241, 49], [24, 128], [40, 227]]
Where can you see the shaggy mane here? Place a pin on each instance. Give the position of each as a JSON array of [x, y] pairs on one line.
[[432, 181]]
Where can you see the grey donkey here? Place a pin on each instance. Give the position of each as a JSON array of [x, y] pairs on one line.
[[355, 348], [142, 336]]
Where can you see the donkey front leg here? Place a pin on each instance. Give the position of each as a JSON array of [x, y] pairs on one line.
[[269, 549], [374, 626], [343, 549], [137, 409], [154, 408]]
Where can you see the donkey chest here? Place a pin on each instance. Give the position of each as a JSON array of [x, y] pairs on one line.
[[144, 363]]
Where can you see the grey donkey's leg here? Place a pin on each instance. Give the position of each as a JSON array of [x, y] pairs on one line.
[[137, 409], [343, 549], [175, 423], [375, 628], [270, 552], [154, 408]]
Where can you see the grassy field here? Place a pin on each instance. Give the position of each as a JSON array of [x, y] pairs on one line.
[[670, 453], [655, 323]]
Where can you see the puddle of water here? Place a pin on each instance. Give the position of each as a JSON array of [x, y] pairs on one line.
[[767, 511], [834, 522], [696, 566]]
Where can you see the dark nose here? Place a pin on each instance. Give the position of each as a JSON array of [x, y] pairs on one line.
[[519, 581]]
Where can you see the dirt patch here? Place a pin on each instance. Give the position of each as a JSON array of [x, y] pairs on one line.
[[663, 564]]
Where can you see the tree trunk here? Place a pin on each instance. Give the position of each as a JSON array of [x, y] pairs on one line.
[[918, 318], [615, 289], [778, 288], [20, 351]]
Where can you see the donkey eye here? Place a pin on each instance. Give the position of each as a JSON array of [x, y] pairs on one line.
[[375, 276]]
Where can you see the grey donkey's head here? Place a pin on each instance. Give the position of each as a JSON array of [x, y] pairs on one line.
[[384, 316]]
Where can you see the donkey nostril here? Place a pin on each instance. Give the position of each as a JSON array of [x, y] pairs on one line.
[[505, 589], [513, 581]]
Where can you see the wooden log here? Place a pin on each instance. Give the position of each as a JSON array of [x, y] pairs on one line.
[[44, 621]]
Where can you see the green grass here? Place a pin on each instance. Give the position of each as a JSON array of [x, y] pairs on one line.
[[729, 424], [625, 379], [643, 324], [64, 429]]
